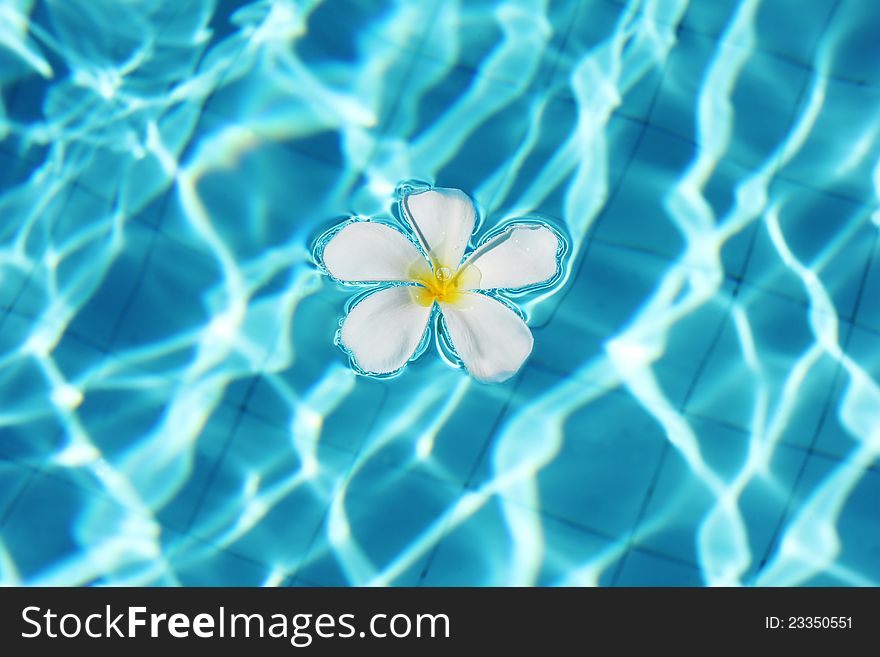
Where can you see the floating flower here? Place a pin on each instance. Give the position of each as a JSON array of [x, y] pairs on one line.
[[384, 330]]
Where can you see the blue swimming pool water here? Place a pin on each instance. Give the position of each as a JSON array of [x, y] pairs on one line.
[[702, 403]]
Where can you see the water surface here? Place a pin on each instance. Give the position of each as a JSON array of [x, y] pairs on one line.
[[701, 406]]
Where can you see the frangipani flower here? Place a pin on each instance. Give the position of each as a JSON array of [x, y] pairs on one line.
[[383, 331]]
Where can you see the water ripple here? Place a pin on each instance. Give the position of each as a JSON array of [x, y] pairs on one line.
[[702, 406]]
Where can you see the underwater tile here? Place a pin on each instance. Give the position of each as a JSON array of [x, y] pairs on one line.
[[854, 47], [13, 69], [117, 420], [249, 204], [768, 501], [338, 407], [860, 549], [729, 390], [165, 215], [192, 562], [609, 285], [33, 541], [486, 550], [688, 344], [478, 551], [24, 293], [812, 404], [570, 549], [13, 480], [352, 60], [721, 191], [30, 439], [840, 150], [313, 154], [323, 567], [83, 276], [766, 271], [327, 146], [797, 41], [459, 444], [868, 314], [502, 41], [863, 346], [318, 116], [837, 578], [545, 178], [593, 27], [568, 341], [824, 579], [319, 568], [860, 542], [348, 30], [103, 170], [645, 569], [489, 149], [24, 95], [837, 246], [260, 484], [77, 357], [347, 424], [321, 377], [736, 251], [534, 383], [453, 128], [835, 439], [98, 315], [611, 463], [108, 34], [169, 300], [765, 87], [15, 330], [388, 511], [638, 216], [71, 525], [710, 20], [442, 430], [299, 128], [316, 321], [238, 390], [78, 213], [464, 35], [201, 461], [639, 99], [842, 261], [181, 38], [30, 431], [680, 501]]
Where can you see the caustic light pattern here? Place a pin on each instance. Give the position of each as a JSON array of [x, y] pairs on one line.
[[700, 405], [384, 330]]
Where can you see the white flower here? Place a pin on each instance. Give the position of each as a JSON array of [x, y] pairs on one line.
[[384, 330]]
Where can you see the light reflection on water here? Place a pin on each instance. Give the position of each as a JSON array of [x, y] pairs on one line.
[[701, 405]]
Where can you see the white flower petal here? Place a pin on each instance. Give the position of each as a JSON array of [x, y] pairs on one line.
[[491, 339], [522, 255], [382, 331], [364, 251], [443, 219]]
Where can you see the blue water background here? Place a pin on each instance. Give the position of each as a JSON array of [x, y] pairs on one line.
[[701, 406]]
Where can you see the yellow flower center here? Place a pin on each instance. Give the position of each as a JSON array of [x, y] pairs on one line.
[[442, 284]]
